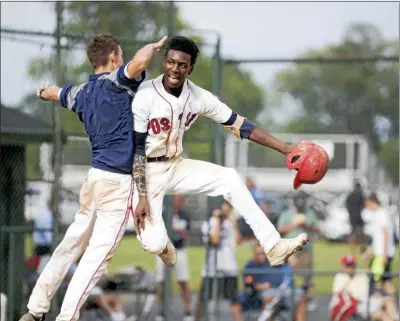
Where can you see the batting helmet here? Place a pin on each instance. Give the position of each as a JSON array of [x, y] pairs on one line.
[[310, 161]]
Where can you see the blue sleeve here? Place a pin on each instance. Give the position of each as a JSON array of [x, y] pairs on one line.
[[140, 143], [125, 81], [245, 130], [65, 91], [69, 94]]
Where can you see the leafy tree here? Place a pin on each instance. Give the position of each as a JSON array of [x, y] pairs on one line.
[[359, 98], [143, 21]]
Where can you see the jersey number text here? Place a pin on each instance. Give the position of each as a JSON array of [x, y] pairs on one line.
[[164, 124]]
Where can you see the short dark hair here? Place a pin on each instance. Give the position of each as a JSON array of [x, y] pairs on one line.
[[99, 47], [185, 45], [374, 198]]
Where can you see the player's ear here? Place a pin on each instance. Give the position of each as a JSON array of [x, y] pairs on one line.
[[111, 57], [191, 69], [114, 56]]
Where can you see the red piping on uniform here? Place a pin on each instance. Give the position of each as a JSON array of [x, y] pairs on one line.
[[180, 121], [128, 210], [172, 118]]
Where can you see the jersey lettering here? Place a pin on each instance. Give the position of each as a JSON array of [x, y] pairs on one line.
[[155, 126], [165, 126], [189, 118], [158, 126]]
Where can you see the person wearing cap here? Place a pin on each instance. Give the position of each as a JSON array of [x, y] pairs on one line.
[[350, 295]]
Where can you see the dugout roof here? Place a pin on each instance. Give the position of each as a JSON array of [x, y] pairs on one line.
[[18, 128]]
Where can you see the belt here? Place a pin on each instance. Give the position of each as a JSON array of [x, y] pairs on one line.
[[158, 159]]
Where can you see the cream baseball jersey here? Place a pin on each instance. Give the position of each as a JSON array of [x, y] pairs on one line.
[[165, 117]]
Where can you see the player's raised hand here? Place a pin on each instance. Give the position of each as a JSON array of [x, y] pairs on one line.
[[146, 53], [158, 45], [143, 57]]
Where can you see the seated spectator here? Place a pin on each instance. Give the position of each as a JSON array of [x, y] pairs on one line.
[[104, 297], [270, 285], [350, 296]]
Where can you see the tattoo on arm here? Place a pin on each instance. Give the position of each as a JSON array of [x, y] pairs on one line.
[[139, 174]]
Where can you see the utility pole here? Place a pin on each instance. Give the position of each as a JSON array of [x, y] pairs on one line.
[[57, 138], [167, 284]]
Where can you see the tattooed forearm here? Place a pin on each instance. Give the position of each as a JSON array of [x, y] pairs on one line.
[[139, 174]]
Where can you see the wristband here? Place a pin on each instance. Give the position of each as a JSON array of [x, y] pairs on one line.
[[40, 94]]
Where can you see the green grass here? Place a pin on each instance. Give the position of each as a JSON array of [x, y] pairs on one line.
[[326, 258]]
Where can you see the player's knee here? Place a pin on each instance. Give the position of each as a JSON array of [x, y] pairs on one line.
[[153, 240]]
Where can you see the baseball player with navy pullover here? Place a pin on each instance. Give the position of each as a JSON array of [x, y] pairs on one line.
[[103, 104], [164, 108]]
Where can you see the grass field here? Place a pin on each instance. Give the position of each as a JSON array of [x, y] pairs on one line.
[[326, 258]]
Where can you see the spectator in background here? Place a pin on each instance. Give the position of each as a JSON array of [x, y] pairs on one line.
[[104, 295], [291, 223], [355, 205], [351, 296], [220, 235], [180, 233], [257, 193], [268, 286], [246, 233], [383, 248], [43, 239]]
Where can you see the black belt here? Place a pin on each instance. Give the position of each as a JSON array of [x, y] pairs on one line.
[[158, 159]]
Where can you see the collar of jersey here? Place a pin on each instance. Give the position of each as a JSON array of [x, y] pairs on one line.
[[96, 76]]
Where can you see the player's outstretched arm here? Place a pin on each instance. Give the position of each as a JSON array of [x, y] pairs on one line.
[[143, 57], [238, 125], [262, 137], [245, 129]]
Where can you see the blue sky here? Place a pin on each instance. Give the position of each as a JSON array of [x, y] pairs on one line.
[[250, 30]]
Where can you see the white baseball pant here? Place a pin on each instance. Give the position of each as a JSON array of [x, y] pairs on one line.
[[105, 206], [187, 176], [181, 267]]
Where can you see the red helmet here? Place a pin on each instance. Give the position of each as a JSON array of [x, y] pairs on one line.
[[311, 162]]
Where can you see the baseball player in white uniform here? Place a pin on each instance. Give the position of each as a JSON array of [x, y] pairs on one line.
[[164, 108]]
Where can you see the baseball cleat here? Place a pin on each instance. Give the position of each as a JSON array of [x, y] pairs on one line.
[[30, 317], [168, 256], [281, 252]]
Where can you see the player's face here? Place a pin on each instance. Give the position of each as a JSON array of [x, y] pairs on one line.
[[177, 67], [260, 254]]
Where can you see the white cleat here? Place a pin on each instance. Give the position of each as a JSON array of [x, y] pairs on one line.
[[282, 250], [168, 256]]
